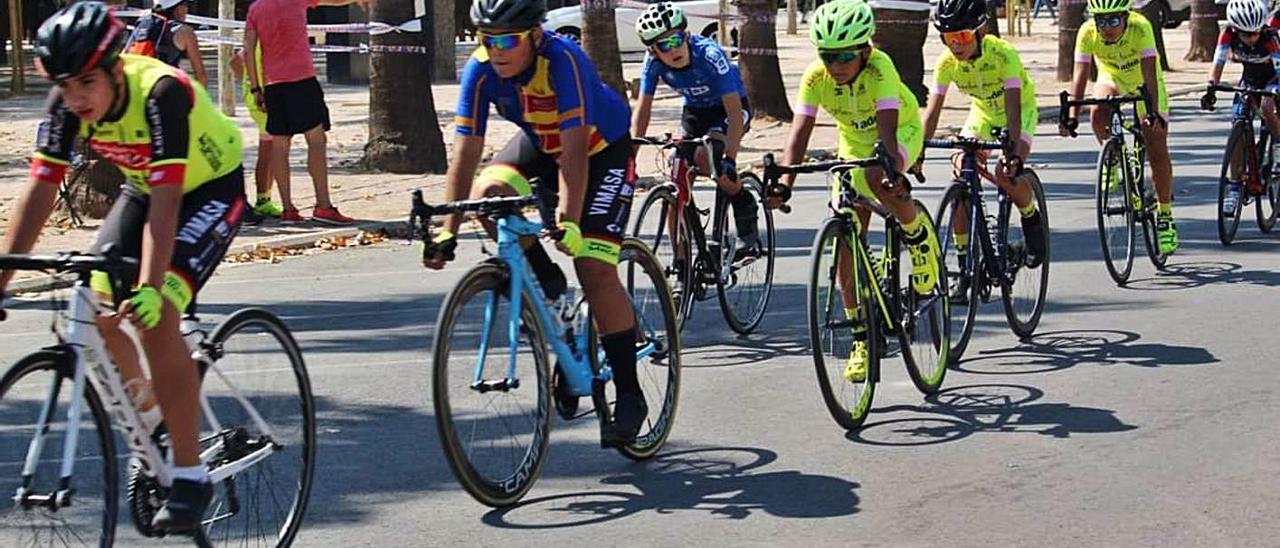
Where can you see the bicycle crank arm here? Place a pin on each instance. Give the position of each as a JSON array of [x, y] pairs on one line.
[[503, 385], [241, 464]]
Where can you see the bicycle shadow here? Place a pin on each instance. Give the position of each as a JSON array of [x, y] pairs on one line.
[[957, 413], [724, 482], [1060, 350], [708, 342], [1199, 274]]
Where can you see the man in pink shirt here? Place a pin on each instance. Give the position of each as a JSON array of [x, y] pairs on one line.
[[291, 96]]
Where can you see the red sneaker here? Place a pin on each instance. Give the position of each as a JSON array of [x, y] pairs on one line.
[[330, 216], [291, 216]]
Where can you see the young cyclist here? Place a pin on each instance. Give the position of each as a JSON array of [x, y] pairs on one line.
[[1123, 44], [177, 215], [1249, 41], [715, 101], [988, 70], [858, 86], [262, 176], [574, 133]]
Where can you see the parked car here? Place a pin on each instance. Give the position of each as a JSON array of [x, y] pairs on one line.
[[1172, 12], [702, 15]]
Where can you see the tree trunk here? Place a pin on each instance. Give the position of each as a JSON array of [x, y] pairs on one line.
[[445, 61], [1151, 10], [901, 34], [1070, 17], [1204, 31], [600, 40], [758, 60], [404, 135]]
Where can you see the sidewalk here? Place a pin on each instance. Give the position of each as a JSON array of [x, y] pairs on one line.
[[377, 197]]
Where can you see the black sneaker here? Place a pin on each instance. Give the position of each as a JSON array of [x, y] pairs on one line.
[[960, 291], [629, 413], [183, 512], [1034, 234]]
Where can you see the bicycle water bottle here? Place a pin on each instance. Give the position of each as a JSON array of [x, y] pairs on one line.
[[1232, 198]]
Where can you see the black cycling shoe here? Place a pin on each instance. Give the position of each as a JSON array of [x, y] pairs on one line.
[[1034, 234], [960, 291], [183, 512], [629, 413]]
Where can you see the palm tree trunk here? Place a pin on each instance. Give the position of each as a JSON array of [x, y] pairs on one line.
[[901, 34], [758, 60], [1070, 17], [404, 134], [445, 60], [600, 40], [1151, 10], [1204, 31]]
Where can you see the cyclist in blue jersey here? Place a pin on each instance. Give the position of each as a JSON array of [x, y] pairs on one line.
[[715, 101], [574, 138]]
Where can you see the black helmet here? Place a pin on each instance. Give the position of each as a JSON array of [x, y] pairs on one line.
[[511, 14], [78, 38], [956, 15]]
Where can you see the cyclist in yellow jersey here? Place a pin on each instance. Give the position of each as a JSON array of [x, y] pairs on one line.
[[1123, 44], [179, 212], [858, 86], [263, 205], [989, 70]]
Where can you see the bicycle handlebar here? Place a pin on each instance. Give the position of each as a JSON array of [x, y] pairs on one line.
[[109, 261], [1065, 102], [421, 213], [1243, 90]]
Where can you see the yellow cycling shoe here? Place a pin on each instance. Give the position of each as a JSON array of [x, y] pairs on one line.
[[924, 259], [855, 370]]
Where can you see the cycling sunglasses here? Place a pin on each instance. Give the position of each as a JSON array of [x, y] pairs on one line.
[[505, 42], [1247, 33], [959, 37], [839, 57], [1104, 21], [669, 43]]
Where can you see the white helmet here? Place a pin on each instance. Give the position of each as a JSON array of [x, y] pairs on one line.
[[658, 19], [168, 4], [1247, 15]]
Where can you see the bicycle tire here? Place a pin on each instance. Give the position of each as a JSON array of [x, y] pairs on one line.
[[849, 403], [964, 314], [1265, 207], [745, 321], [507, 486], [1119, 266], [1023, 320], [89, 524], [1229, 223], [256, 360], [1147, 217], [924, 326], [665, 335], [661, 201]]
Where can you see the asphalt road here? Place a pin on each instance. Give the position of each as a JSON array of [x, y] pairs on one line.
[[1144, 415]]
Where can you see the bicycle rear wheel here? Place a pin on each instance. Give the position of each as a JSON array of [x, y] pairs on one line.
[[1229, 214], [1269, 202], [744, 294], [1024, 298], [832, 333], [924, 329], [1115, 213], [658, 347], [89, 517], [653, 226], [955, 210], [494, 432]]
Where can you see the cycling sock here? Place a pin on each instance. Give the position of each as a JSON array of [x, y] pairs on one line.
[[914, 229], [1166, 208], [264, 197], [744, 211], [620, 350], [1029, 210], [191, 473]]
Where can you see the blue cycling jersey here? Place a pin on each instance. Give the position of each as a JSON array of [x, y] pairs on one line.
[[708, 76]]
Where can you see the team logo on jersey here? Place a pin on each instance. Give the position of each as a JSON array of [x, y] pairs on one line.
[[134, 157], [718, 61]]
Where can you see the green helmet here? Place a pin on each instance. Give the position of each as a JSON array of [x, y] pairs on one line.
[[842, 24], [1099, 7]]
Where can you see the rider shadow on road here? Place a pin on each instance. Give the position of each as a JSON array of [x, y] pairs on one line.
[[1059, 350], [957, 413], [1199, 274], [708, 342], [724, 482]]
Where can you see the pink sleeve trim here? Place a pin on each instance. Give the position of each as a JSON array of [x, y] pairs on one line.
[[1148, 53], [888, 104], [941, 89], [809, 110], [1083, 58], [1013, 83]]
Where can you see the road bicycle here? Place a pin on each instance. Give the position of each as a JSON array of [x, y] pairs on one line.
[[493, 387], [676, 229], [885, 302], [995, 254], [59, 470], [1124, 198], [1254, 179]]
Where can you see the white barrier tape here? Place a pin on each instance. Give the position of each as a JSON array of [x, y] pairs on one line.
[[334, 48], [373, 27]]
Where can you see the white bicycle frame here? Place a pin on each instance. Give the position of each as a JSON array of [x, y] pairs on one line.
[[83, 340]]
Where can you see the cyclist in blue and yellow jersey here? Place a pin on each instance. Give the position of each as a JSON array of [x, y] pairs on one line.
[[858, 86], [1124, 46], [178, 213], [715, 101], [988, 70], [574, 138]]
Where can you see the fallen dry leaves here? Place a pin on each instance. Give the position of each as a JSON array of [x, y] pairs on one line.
[[264, 254]]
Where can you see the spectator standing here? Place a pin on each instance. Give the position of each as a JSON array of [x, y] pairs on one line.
[[163, 34]]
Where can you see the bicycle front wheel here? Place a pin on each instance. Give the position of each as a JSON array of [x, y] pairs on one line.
[[1115, 213], [925, 323], [1229, 214], [657, 347], [1024, 295], [836, 276], [744, 292], [667, 230], [42, 383], [259, 431], [492, 402], [962, 263], [1269, 200]]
